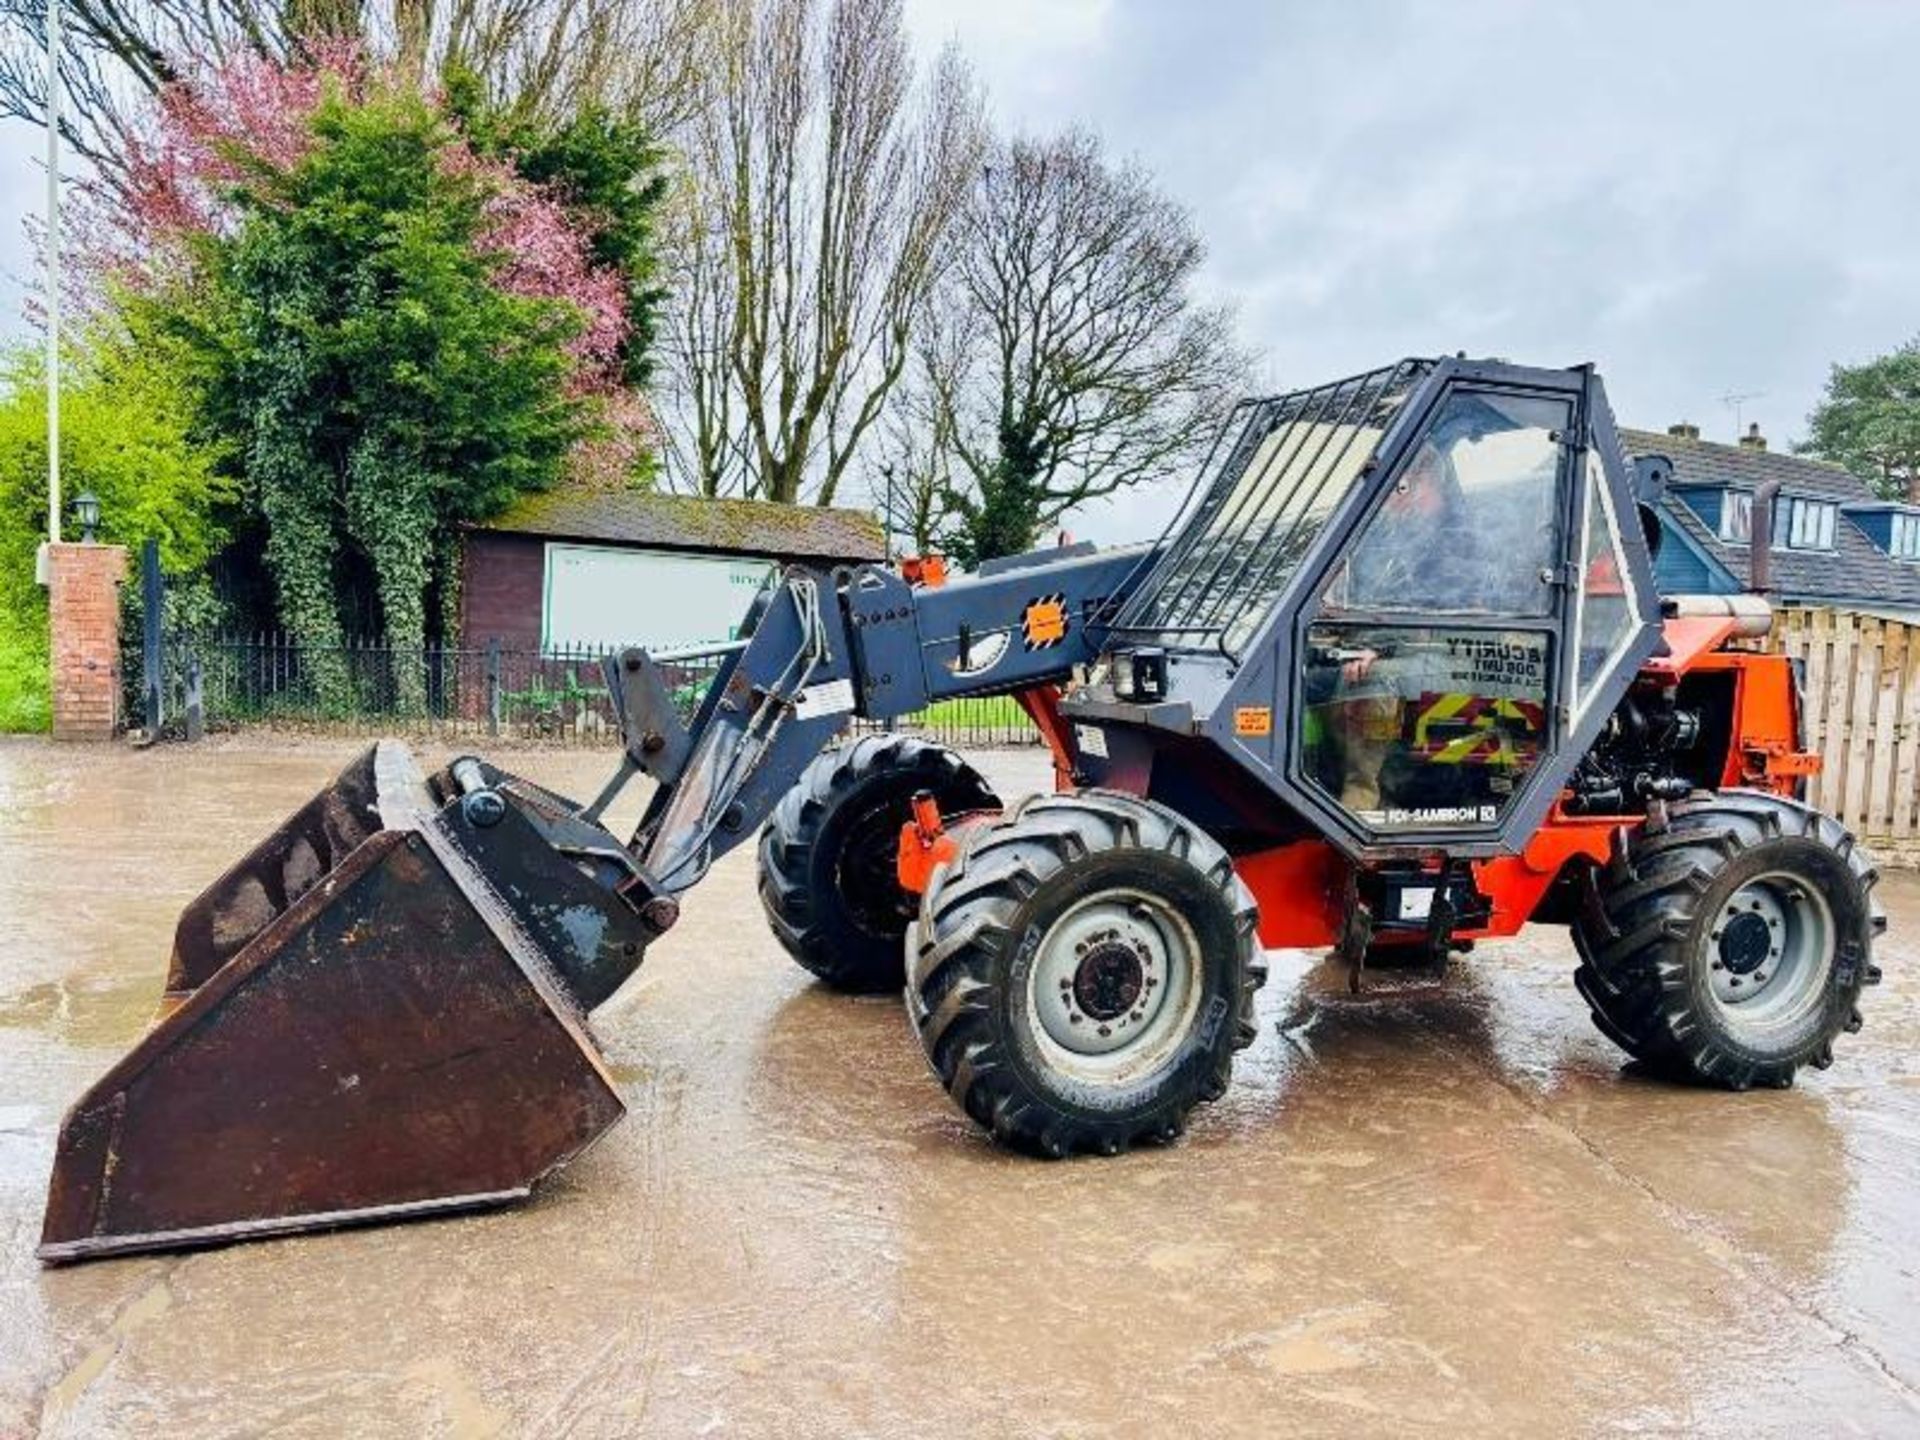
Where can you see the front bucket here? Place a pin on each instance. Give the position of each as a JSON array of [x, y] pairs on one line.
[[378, 1013]]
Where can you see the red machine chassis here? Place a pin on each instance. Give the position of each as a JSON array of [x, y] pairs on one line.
[[1301, 886]]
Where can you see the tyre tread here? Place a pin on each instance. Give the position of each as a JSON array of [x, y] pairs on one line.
[[1640, 908], [788, 840], [965, 920]]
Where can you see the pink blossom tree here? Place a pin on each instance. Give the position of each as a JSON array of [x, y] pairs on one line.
[[252, 115], [394, 328]]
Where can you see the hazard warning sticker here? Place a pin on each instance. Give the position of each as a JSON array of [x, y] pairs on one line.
[[1253, 720], [1044, 622]]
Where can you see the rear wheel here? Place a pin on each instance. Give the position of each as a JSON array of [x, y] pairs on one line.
[[1083, 972], [1732, 944], [829, 876]]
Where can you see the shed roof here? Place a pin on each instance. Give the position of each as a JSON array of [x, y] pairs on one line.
[[1856, 570], [690, 522]]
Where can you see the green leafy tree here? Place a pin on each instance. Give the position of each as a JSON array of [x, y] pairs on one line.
[[382, 386], [1870, 422], [127, 434]]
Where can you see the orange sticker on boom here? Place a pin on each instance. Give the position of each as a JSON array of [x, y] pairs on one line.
[[1253, 720], [1045, 621]]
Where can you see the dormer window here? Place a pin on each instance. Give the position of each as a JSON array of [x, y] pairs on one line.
[[1736, 516], [1802, 524], [1903, 542]]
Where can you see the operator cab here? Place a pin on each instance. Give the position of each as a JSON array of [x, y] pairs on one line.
[[1406, 601]]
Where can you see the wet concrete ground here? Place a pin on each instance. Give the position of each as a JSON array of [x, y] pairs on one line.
[[1429, 1208]]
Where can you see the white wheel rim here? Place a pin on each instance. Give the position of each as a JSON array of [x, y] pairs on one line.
[[1114, 987], [1770, 950]]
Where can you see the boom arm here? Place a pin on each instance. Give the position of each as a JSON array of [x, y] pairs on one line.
[[823, 647]]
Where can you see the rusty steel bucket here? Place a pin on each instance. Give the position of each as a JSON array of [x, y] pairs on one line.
[[380, 1012]]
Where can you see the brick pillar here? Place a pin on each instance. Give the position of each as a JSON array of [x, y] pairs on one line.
[[83, 605]]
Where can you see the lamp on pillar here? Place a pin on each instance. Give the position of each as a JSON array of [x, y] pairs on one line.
[[86, 513]]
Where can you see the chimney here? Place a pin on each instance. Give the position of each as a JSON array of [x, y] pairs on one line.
[[1753, 439], [1684, 431]]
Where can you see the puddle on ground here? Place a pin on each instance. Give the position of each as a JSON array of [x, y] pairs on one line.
[[1438, 1206], [88, 1013]]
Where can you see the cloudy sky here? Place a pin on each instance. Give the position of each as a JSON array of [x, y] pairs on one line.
[[1706, 199]]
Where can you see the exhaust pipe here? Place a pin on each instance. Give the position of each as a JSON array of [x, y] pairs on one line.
[[1760, 538]]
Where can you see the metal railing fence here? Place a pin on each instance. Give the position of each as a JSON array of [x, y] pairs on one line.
[[372, 686]]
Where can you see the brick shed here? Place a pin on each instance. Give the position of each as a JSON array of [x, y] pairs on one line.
[[597, 568]]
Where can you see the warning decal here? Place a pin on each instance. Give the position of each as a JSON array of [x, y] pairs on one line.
[[1044, 622]]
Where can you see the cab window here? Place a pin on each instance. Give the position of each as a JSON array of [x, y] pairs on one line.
[[1412, 723], [1470, 524]]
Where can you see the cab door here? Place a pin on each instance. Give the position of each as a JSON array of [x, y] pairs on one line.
[[1451, 649], [1429, 644]]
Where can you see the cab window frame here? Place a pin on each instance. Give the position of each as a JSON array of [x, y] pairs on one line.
[[1554, 624]]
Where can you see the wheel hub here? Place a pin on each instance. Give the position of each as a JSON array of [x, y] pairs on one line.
[[868, 877], [1744, 942], [1112, 981], [1109, 979]]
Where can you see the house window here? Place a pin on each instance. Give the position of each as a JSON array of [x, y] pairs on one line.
[[1800, 524], [1736, 516], [1904, 542]]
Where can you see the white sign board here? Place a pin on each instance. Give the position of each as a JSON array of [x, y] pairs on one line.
[[601, 597]]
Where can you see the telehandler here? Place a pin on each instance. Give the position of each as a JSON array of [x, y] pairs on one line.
[[1395, 681]]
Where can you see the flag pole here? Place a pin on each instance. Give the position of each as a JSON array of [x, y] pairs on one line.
[[53, 271]]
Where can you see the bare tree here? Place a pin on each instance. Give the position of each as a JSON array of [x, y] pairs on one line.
[[637, 57], [822, 192], [114, 57], [911, 474], [705, 443], [1067, 357]]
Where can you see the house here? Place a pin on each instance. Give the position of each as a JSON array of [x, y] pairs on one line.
[[579, 568], [1834, 542]]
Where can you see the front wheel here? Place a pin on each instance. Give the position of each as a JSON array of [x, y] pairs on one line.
[[1082, 973], [829, 856], [1732, 944]]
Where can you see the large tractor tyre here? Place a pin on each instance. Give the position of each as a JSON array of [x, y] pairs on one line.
[[1731, 945], [1082, 973], [829, 856]]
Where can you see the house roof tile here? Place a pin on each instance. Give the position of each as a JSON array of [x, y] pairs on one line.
[[1855, 570]]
